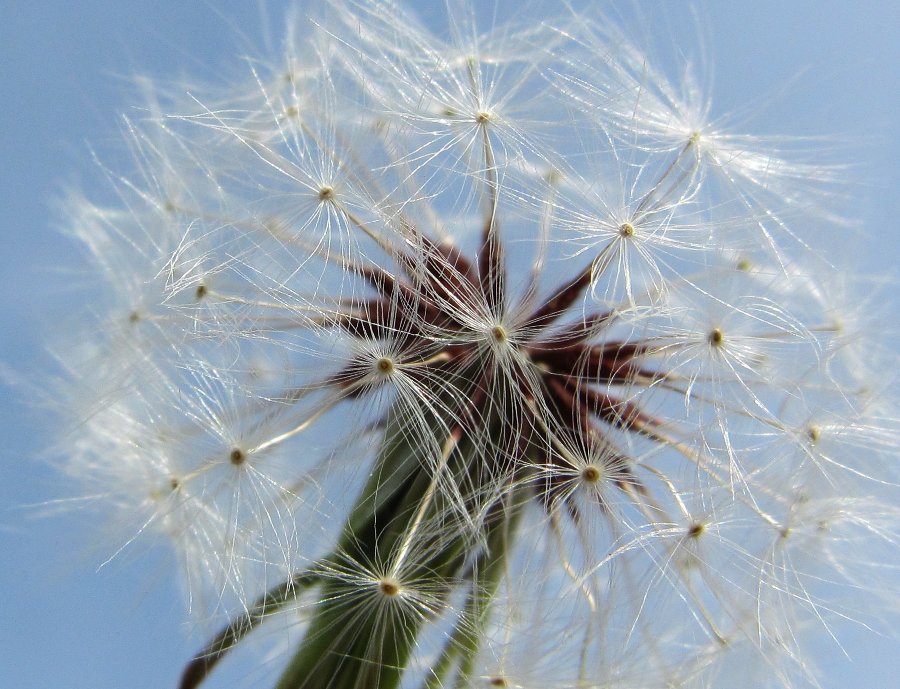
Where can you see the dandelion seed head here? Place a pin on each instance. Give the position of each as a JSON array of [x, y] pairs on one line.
[[501, 344]]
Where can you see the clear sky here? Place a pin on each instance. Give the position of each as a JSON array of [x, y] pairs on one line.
[[820, 66]]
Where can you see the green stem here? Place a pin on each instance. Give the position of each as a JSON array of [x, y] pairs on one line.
[[464, 643], [271, 602], [359, 636]]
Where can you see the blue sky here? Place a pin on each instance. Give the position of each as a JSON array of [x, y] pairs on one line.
[[819, 66]]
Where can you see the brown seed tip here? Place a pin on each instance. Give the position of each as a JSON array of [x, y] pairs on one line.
[[696, 530], [499, 682], [716, 337], [326, 193], [483, 117], [385, 365], [498, 332], [237, 456], [591, 474], [813, 434], [626, 229], [388, 588], [202, 291]]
